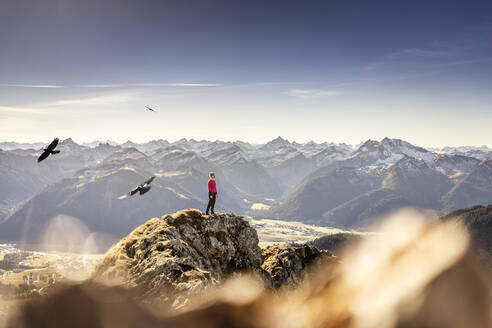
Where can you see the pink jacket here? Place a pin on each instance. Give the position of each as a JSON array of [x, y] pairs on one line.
[[212, 186]]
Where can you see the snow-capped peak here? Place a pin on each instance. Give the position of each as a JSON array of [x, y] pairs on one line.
[[277, 143], [389, 151]]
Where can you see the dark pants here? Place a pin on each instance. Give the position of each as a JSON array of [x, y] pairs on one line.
[[211, 201]]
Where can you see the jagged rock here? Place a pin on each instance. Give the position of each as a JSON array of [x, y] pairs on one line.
[[181, 253], [287, 264]]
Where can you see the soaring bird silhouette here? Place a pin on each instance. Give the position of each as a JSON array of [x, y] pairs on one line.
[[50, 150], [152, 110], [142, 188]]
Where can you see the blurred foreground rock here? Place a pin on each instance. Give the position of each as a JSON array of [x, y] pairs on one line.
[[413, 275]]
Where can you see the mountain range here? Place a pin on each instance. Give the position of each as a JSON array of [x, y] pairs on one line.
[[326, 184], [382, 176]]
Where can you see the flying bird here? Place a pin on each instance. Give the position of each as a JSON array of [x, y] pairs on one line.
[[142, 188], [50, 150], [152, 110]]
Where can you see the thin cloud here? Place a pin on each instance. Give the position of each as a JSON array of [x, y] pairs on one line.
[[177, 84], [427, 53], [47, 86], [111, 85], [18, 110], [31, 110], [196, 84], [281, 83], [370, 67], [464, 62], [307, 94], [341, 85], [448, 54], [99, 100], [100, 86], [406, 54]]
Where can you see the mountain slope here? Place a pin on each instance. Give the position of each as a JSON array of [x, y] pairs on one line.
[[293, 170], [362, 210], [452, 165], [417, 182], [310, 200], [92, 198], [475, 189], [478, 221], [21, 176], [252, 178]]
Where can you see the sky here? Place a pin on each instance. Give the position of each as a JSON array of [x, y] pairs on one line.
[[336, 71]]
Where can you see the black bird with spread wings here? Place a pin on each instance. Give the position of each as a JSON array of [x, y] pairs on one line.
[[152, 110], [50, 150], [142, 188]]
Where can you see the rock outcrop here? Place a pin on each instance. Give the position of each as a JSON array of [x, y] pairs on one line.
[[287, 264], [171, 258], [182, 252]]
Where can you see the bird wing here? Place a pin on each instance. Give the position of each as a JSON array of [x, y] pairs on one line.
[[125, 196], [53, 144], [130, 193], [146, 183], [43, 156]]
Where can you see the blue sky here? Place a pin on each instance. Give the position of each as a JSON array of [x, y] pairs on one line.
[[342, 71]]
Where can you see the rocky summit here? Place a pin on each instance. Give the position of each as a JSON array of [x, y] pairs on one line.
[[182, 252], [172, 257]]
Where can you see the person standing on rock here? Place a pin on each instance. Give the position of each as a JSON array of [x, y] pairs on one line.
[[212, 193]]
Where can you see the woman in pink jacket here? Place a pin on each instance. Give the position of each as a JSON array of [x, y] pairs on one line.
[[212, 193]]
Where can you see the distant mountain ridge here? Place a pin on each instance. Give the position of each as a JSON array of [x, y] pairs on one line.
[[321, 183]]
